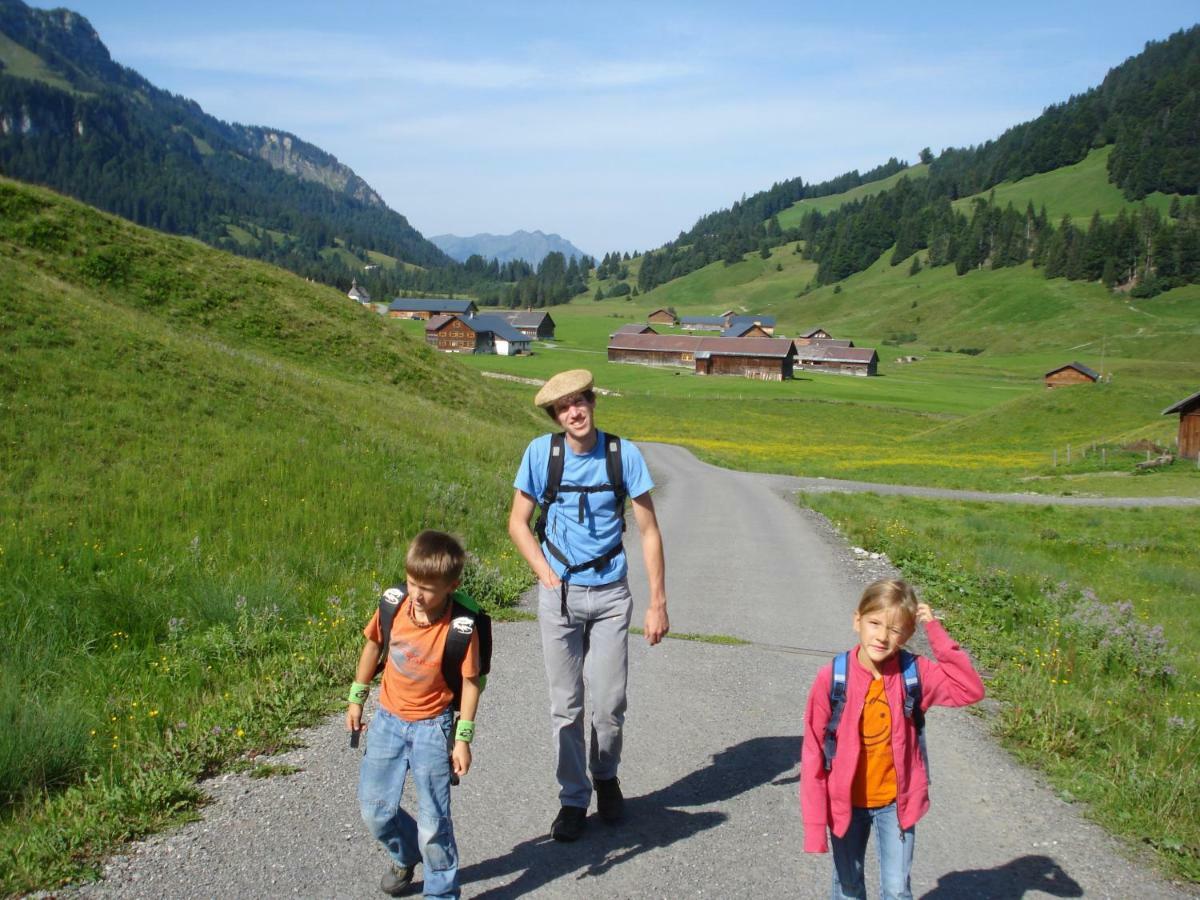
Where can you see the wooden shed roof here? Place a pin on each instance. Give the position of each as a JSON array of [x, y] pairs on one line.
[[685, 343], [1078, 367], [1184, 405]]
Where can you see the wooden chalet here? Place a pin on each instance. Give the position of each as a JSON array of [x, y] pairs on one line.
[[1189, 425], [475, 334], [745, 329], [634, 328], [1071, 373], [663, 316], [812, 334], [533, 324], [765, 358], [727, 320], [428, 307], [703, 323], [837, 360]]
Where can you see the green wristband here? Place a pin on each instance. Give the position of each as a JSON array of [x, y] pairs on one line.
[[359, 693], [465, 731]]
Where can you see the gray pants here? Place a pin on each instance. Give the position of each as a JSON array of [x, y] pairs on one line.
[[592, 644]]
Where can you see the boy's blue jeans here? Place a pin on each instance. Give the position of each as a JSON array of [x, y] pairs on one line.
[[895, 855], [396, 747]]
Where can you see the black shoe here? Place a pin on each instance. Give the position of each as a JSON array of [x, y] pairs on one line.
[[568, 824], [609, 801], [396, 880]]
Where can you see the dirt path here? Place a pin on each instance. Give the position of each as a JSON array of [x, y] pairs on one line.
[[710, 755]]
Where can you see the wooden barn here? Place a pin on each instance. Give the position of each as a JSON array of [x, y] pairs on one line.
[[768, 358], [812, 334], [451, 334], [762, 358], [838, 360], [533, 324], [703, 323], [745, 329], [428, 307], [663, 316], [634, 328], [1189, 425], [1071, 373]]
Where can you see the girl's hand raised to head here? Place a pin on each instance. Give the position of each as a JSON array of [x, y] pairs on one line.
[[925, 614]]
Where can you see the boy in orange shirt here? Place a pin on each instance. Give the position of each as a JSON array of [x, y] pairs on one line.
[[411, 729]]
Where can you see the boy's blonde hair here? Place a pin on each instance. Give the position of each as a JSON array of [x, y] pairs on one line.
[[435, 556], [887, 594]]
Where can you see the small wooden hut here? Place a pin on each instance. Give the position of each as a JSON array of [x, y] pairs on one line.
[[1189, 425]]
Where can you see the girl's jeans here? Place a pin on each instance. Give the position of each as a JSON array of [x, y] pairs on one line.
[[396, 747], [895, 855]]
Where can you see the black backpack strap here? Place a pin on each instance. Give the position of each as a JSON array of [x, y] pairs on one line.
[[465, 621], [837, 704], [616, 473], [554, 475], [389, 604]]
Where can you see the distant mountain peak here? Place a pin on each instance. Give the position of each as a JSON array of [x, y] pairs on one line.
[[531, 246]]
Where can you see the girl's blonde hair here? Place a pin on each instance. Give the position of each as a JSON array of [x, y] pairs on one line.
[[887, 594]]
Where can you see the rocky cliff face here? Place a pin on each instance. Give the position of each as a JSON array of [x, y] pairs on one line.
[[296, 157]]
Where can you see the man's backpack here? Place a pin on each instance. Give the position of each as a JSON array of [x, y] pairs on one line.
[[912, 703], [466, 618], [554, 487]]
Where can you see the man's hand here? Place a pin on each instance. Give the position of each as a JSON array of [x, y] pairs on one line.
[[657, 624]]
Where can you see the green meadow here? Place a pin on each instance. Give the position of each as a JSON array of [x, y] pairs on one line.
[[208, 468]]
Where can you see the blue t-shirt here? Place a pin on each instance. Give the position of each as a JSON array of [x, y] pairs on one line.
[[601, 527]]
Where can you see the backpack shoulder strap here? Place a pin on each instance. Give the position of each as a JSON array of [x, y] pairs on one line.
[[837, 704], [555, 463], [389, 603], [616, 472], [466, 619], [911, 674]]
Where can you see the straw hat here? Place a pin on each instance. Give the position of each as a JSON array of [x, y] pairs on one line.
[[564, 384]]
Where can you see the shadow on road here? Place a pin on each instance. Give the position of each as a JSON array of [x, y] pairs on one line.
[[651, 821], [1010, 881]]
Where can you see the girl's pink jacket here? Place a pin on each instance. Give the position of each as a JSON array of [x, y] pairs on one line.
[[825, 796]]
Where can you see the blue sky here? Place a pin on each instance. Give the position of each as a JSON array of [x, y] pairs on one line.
[[618, 124]]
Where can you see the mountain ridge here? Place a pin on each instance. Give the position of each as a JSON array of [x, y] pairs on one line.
[[530, 246]]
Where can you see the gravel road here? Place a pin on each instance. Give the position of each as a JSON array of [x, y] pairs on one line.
[[711, 748]]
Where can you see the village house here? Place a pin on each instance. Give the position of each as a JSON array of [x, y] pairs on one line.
[[835, 358], [1189, 426], [358, 294], [1071, 373], [703, 323], [764, 358], [727, 320], [428, 307], [745, 329], [533, 324], [475, 334], [634, 328], [812, 334], [663, 316]]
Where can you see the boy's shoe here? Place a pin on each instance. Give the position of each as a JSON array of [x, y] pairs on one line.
[[568, 824], [609, 801], [396, 880]]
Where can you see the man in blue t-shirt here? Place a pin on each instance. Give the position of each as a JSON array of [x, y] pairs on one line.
[[584, 603]]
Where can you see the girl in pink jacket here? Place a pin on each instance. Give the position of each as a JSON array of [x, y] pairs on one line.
[[877, 777]]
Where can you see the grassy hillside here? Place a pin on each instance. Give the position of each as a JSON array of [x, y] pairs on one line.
[[1078, 191], [207, 468], [792, 216]]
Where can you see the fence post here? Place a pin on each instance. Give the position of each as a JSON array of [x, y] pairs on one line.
[[1068, 454], [1056, 457]]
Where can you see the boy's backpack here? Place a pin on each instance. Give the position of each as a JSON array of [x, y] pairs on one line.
[[554, 487], [466, 618], [912, 704]]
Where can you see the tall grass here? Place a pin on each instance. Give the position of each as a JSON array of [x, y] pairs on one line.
[[208, 469]]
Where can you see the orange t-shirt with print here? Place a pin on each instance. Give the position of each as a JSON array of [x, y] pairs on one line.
[[875, 778], [413, 687]]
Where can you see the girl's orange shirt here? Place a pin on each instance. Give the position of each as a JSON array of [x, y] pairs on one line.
[[413, 687], [875, 778]]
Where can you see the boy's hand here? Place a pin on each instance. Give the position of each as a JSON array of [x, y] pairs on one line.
[[460, 757], [656, 625], [549, 579], [354, 720], [925, 614]]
